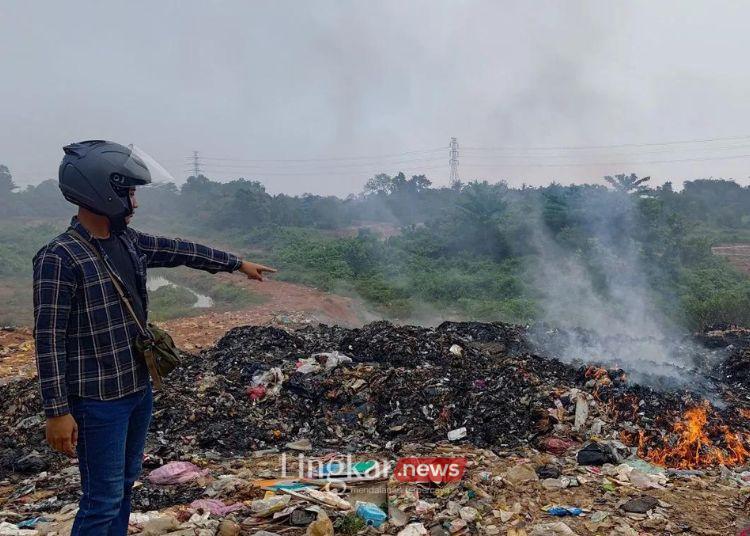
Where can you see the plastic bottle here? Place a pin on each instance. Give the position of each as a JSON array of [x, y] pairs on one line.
[[371, 513]]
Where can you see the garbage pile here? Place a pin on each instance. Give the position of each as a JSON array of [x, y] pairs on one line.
[[546, 441], [363, 389]]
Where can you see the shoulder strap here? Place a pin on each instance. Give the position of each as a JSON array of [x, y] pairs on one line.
[[114, 280]]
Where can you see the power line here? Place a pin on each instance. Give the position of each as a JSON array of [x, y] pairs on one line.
[[613, 146], [654, 151], [623, 163], [332, 166], [324, 159], [347, 173]]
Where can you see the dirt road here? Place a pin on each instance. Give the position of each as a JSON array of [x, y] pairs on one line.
[[285, 304]]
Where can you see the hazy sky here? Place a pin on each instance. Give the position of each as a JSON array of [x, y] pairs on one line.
[[253, 85]]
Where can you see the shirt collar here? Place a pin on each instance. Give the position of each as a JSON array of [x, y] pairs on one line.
[[76, 225]]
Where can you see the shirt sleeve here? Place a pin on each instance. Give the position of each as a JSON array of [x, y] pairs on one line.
[[162, 252], [54, 287]]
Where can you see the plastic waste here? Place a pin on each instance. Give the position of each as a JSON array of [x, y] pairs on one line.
[[30, 523], [468, 513], [9, 529], [265, 507], [302, 518], [594, 453], [597, 427], [598, 517], [334, 359], [321, 526], [521, 473], [413, 529], [176, 473], [266, 384], [370, 513], [300, 444], [215, 506], [227, 527], [256, 393], [645, 481], [582, 411], [458, 433], [161, 524], [548, 471], [556, 483], [556, 445], [552, 529], [562, 511], [308, 366]]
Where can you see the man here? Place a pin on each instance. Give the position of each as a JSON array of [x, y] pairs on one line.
[[95, 390]]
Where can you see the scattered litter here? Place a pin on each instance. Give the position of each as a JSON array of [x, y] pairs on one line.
[[458, 433], [371, 513], [215, 506], [640, 505], [562, 511], [176, 473]]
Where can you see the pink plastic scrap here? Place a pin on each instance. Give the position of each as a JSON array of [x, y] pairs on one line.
[[176, 473], [256, 393], [215, 506]]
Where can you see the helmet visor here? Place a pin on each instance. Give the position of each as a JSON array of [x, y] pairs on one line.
[[141, 168]]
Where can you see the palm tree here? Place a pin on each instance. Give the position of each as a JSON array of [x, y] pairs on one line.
[[628, 183]]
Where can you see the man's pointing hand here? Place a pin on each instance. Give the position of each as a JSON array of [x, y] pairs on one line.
[[255, 271]]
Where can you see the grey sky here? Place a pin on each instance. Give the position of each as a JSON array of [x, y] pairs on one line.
[[306, 80]]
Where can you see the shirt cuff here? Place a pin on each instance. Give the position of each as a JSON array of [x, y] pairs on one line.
[[56, 407], [234, 263]]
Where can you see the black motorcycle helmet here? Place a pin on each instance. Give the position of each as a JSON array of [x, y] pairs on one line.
[[98, 175]]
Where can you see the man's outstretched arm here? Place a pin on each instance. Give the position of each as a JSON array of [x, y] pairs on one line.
[[163, 252]]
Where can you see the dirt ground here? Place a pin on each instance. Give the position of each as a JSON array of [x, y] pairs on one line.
[[16, 353], [284, 304]]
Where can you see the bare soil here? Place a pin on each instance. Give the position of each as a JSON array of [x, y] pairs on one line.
[[737, 254], [285, 304]]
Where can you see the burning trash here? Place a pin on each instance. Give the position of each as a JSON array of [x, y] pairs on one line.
[[697, 439]]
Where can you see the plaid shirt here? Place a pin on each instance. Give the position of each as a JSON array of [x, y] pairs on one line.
[[83, 332]]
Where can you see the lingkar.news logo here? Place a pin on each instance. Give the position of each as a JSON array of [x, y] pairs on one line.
[[438, 470]]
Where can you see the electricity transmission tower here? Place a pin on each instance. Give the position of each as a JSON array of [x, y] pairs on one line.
[[196, 164], [454, 162]]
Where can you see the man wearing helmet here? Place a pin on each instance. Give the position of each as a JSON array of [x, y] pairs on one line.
[[96, 391]]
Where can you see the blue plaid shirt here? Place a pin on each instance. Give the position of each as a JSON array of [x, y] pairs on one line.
[[84, 334]]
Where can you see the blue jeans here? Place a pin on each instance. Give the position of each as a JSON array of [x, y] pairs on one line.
[[111, 438]]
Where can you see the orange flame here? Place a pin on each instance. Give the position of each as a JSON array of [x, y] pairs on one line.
[[694, 448]]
